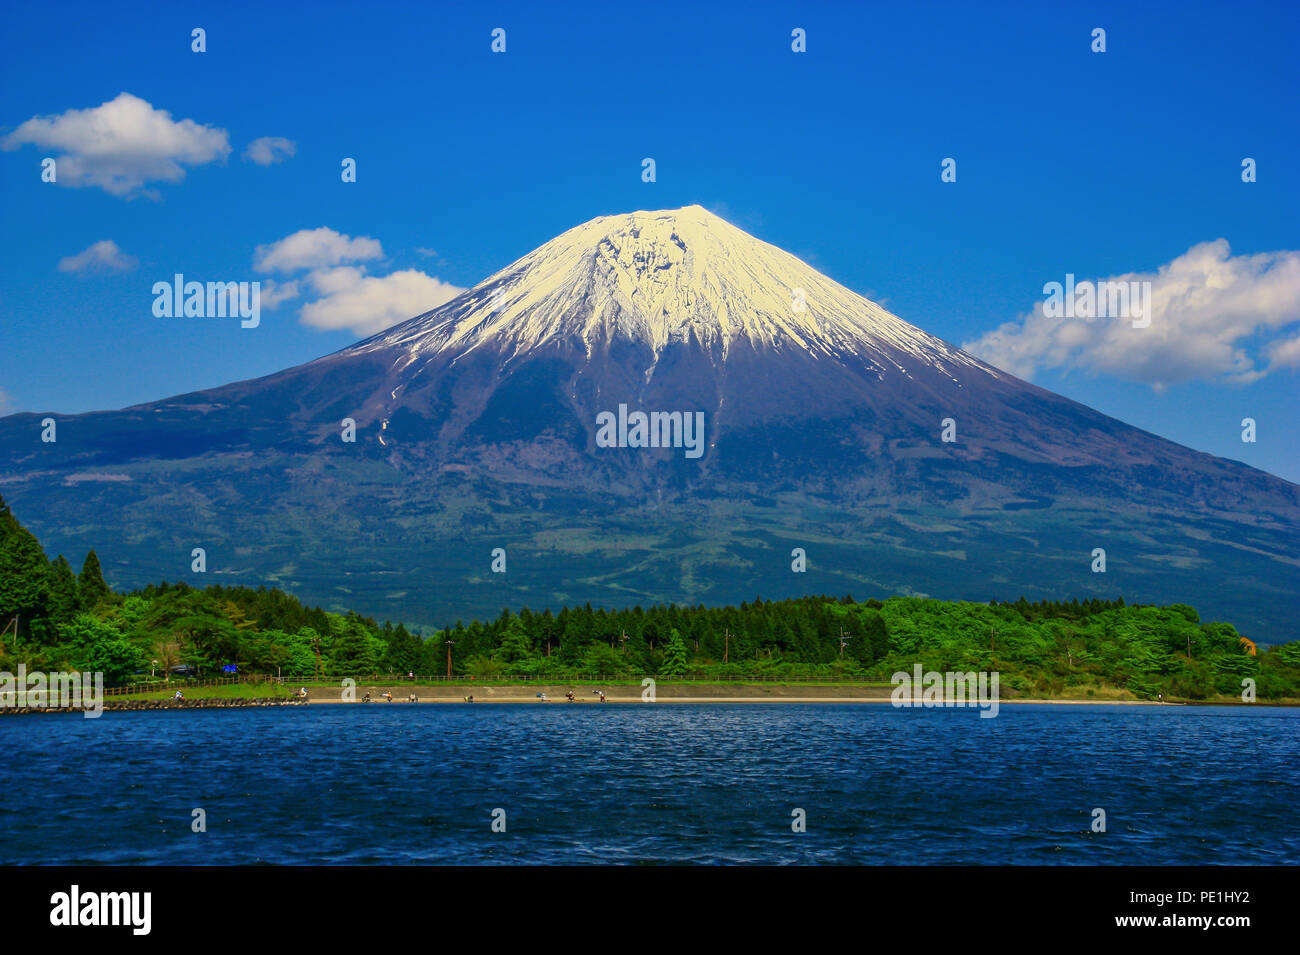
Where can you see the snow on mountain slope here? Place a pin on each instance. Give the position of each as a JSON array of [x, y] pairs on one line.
[[660, 278], [674, 310]]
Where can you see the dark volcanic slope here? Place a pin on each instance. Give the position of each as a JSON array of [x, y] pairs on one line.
[[476, 429]]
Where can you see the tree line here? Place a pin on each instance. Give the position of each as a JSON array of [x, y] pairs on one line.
[[56, 618]]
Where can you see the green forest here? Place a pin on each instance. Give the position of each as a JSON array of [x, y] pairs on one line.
[[56, 618]]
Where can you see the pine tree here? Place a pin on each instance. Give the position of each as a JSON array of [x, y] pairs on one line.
[[515, 643], [403, 648], [675, 656], [877, 634], [8, 523], [91, 587], [353, 650], [24, 575], [63, 591]]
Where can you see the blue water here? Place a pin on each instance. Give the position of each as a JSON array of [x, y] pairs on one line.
[[392, 784]]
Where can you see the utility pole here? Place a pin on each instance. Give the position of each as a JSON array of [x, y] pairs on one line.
[[316, 643], [726, 644], [842, 641], [449, 643]]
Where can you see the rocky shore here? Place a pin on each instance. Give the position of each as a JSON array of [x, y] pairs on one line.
[[212, 703]]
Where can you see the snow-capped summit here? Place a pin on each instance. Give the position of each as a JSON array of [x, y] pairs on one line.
[[661, 278]]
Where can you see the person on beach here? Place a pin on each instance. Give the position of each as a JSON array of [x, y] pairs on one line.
[[569, 696], [366, 698], [602, 696], [470, 698], [389, 696], [178, 696], [302, 692]]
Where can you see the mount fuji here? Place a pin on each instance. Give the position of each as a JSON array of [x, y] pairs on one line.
[[896, 461]]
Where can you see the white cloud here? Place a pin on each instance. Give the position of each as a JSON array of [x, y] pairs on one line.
[[269, 150], [103, 256], [121, 145], [1284, 354], [314, 249], [1214, 317], [273, 293], [340, 293], [367, 304]]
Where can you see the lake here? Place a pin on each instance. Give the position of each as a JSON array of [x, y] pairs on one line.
[[654, 783]]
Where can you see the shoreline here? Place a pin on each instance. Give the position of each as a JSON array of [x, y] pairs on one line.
[[129, 706], [517, 694], [688, 693], [916, 702]]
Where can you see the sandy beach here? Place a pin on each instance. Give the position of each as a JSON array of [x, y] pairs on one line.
[[664, 693]]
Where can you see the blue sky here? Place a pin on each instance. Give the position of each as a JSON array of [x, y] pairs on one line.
[[1068, 161]]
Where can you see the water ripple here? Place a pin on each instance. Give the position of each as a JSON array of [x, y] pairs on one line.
[[640, 784]]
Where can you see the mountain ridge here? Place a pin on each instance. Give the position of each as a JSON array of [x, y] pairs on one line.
[[476, 426]]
